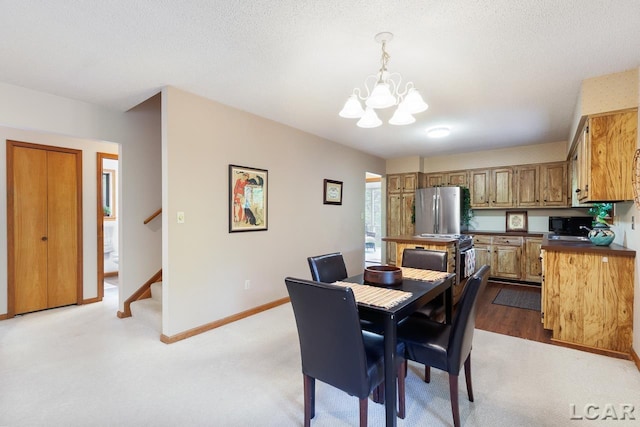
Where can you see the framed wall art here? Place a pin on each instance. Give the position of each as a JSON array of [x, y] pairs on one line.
[[332, 192], [247, 198], [517, 221]]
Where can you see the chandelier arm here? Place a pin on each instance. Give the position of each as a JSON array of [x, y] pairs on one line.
[[373, 79], [408, 86]]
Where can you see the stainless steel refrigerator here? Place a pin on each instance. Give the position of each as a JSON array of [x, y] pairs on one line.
[[438, 210]]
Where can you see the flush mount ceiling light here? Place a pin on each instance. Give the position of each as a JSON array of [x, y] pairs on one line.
[[439, 132], [383, 90]]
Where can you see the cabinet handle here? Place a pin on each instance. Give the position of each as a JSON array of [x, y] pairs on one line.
[[577, 190], [44, 238]]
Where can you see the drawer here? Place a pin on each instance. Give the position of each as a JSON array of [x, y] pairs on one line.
[[481, 239], [508, 240]]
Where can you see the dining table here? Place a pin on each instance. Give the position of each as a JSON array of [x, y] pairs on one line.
[[421, 292]]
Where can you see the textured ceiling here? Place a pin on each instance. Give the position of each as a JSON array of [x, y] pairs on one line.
[[500, 73]]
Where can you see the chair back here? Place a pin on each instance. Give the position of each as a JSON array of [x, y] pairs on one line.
[[425, 259], [331, 342], [327, 268], [464, 322]]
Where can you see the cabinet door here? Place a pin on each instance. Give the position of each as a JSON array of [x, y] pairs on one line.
[[394, 183], [479, 190], [554, 184], [528, 186], [409, 181], [506, 261], [502, 187], [435, 179], [613, 140], [407, 221], [483, 256], [458, 178], [531, 258]]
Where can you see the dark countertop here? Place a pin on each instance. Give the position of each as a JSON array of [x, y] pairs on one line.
[[416, 239], [508, 233], [586, 247]]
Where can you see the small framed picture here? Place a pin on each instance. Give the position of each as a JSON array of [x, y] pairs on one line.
[[332, 192], [517, 221]]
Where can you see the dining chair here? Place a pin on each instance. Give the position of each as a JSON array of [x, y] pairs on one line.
[[427, 259], [334, 349], [327, 268], [331, 268], [447, 347]]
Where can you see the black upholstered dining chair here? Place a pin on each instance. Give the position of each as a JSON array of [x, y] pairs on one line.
[[331, 268], [427, 259], [334, 349], [327, 268], [447, 347]]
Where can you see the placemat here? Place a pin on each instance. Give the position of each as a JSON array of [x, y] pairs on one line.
[[374, 295], [420, 274]]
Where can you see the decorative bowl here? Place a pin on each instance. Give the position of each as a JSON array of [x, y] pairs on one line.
[[601, 235], [386, 275]]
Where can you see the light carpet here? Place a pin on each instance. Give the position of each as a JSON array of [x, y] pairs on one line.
[[82, 366]]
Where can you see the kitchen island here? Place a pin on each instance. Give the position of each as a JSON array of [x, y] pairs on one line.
[[587, 295]]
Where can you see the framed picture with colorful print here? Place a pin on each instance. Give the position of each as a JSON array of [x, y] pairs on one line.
[[248, 209]]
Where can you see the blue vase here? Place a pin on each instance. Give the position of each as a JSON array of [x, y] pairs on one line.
[[601, 235]]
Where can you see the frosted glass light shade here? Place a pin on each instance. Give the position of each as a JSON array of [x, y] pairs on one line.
[[401, 117], [352, 108], [369, 120], [414, 103], [380, 97]]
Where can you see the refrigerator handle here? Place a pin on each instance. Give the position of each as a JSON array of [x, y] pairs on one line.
[[436, 213]]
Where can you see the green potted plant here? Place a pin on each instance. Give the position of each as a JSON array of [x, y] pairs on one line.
[[466, 213], [601, 234]]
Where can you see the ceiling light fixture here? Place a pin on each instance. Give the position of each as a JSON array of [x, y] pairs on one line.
[[383, 91], [439, 132]]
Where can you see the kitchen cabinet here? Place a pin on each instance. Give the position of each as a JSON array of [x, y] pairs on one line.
[[604, 149], [491, 187], [458, 178], [401, 193], [506, 257], [532, 264], [482, 246], [587, 298], [554, 185], [528, 186]]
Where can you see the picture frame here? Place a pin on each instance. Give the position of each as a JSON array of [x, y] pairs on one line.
[[248, 197], [332, 194], [516, 221]]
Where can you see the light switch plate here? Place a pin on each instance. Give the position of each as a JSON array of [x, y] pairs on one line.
[[180, 217]]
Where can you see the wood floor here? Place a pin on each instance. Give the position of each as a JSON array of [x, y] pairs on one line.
[[516, 322]]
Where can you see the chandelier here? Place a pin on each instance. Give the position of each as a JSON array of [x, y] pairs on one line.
[[383, 90]]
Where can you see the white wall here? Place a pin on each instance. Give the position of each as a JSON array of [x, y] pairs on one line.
[[205, 266], [66, 121]]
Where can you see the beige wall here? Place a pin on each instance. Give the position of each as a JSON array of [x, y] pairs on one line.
[[205, 266], [54, 120], [538, 153], [404, 164]]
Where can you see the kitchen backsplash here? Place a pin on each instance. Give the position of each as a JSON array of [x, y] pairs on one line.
[[537, 219]]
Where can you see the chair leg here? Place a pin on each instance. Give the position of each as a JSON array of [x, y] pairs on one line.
[[402, 369], [467, 375], [364, 404], [309, 399], [453, 389], [427, 374]]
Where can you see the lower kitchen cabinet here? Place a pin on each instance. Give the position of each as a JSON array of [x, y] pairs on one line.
[[510, 257], [587, 299], [532, 264], [506, 257]]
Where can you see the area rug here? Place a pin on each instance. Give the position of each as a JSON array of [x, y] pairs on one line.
[[518, 298]]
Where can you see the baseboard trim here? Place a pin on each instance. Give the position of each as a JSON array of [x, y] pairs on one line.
[[213, 325], [91, 300], [635, 358], [603, 352]]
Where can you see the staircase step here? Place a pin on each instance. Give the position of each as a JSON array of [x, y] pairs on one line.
[[149, 310], [156, 291]]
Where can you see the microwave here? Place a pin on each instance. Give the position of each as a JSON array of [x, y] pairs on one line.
[[570, 225]]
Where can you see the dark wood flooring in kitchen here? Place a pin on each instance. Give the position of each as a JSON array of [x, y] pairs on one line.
[[516, 322]]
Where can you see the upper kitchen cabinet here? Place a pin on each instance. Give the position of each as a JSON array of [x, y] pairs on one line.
[[528, 186], [400, 183], [457, 178], [554, 185], [603, 155], [492, 188], [401, 193]]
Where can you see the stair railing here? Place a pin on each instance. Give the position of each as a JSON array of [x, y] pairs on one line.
[[143, 292]]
